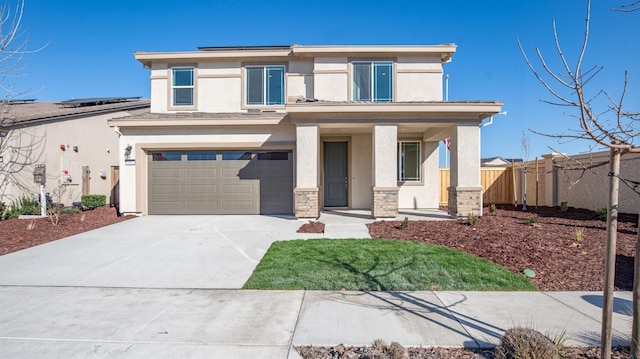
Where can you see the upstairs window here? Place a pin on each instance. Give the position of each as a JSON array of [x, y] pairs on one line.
[[182, 86], [265, 85], [373, 81], [409, 161]]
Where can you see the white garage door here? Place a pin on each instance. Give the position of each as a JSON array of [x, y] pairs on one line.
[[220, 182]]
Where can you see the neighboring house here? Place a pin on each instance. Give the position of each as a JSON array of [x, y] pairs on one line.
[[297, 129], [71, 138], [499, 162]]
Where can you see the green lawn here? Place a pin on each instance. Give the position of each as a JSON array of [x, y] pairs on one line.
[[377, 264]]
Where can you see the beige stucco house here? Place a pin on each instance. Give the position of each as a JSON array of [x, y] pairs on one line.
[[296, 129], [71, 138]]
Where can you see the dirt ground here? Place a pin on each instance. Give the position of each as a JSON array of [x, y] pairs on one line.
[[18, 234]]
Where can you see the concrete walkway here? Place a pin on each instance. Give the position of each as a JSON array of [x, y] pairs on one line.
[[167, 287], [81, 322]]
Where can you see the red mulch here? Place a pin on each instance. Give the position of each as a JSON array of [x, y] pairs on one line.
[[547, 247], [311, 352], [18, 234], [311, 227]]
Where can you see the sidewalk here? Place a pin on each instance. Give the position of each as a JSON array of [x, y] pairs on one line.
[[75, 322]]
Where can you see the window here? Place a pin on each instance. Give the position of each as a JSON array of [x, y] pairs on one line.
[[273, 156], [201, 156], [182, 85], [236, 155], [166, 156], [373, 81], [409, 161], [265, 85]]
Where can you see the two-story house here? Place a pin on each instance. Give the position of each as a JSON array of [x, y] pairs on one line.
[[295, 129]]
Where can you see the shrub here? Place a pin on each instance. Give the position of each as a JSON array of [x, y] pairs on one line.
[[405, 223], [492, 208], [23, 206], [70, 210], [531, 220], [602, 213], [3, 208], [564, 206], [381, 350], [93, 201], [528, 343], [472, 218], [578, 235]]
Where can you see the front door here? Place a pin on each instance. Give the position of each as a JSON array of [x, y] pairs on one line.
[[335, 174]]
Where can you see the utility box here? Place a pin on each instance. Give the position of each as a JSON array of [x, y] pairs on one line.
[[40, 174]]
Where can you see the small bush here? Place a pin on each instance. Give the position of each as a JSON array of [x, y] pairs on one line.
[[472, 218], [3, 208], [23, 206], [380, 350], [492, 208], [93, 201], [405, 223], [531, 220], [564, 206], [528, 343], [602, 213], [70, 210], [578, 235]]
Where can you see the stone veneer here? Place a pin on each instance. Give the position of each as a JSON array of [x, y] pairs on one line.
[[465, 200], [385, 202], [306, 202]]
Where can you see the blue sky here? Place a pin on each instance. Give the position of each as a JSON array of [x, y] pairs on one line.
[[90, 44]]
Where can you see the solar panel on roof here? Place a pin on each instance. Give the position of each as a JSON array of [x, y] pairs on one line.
[[94, 101]]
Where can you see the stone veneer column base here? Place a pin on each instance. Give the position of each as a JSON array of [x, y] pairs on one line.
[[465, 200], [385, 202], [307, 203]]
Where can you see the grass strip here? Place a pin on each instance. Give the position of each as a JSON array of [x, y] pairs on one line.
[[378, 265]]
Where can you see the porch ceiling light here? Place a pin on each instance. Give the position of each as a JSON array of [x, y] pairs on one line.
[[3, 133]]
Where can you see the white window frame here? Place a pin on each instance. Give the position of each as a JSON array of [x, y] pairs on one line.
[[402, 164], [372, 80], [265, 85], [192, 86]]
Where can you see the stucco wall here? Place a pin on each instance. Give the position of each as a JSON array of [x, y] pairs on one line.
[[361, 171], [97, 145], [159, 88], [418, 79], [423, 194], [590, 189], [331, 79]]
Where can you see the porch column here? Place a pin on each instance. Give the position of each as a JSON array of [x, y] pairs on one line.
[[385, 165], [306, 193], [465, 191]]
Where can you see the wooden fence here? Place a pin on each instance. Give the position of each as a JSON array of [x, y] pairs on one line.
[[497, 185]]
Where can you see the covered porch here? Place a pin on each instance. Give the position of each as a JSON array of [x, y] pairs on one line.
[[384, 158]]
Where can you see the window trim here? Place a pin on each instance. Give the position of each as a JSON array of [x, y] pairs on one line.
[[400, 162], [372, 77], [172, 105], [245, 84]]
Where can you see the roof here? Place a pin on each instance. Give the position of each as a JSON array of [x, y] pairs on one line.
[[499, 161], [445, 52], [144, 118], [32, 111]]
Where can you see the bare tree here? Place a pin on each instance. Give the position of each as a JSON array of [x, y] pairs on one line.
[[17, 146], [525, 147], [605, 121]]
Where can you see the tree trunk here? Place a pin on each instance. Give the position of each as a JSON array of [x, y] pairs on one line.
[[635, 326], [610, 256]]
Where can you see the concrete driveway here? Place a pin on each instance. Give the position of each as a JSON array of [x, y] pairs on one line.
[[153, 252]]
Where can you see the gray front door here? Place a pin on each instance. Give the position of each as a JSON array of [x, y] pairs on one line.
[[335, 174]]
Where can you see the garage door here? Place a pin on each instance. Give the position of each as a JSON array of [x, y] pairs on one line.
[[220, 182]]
